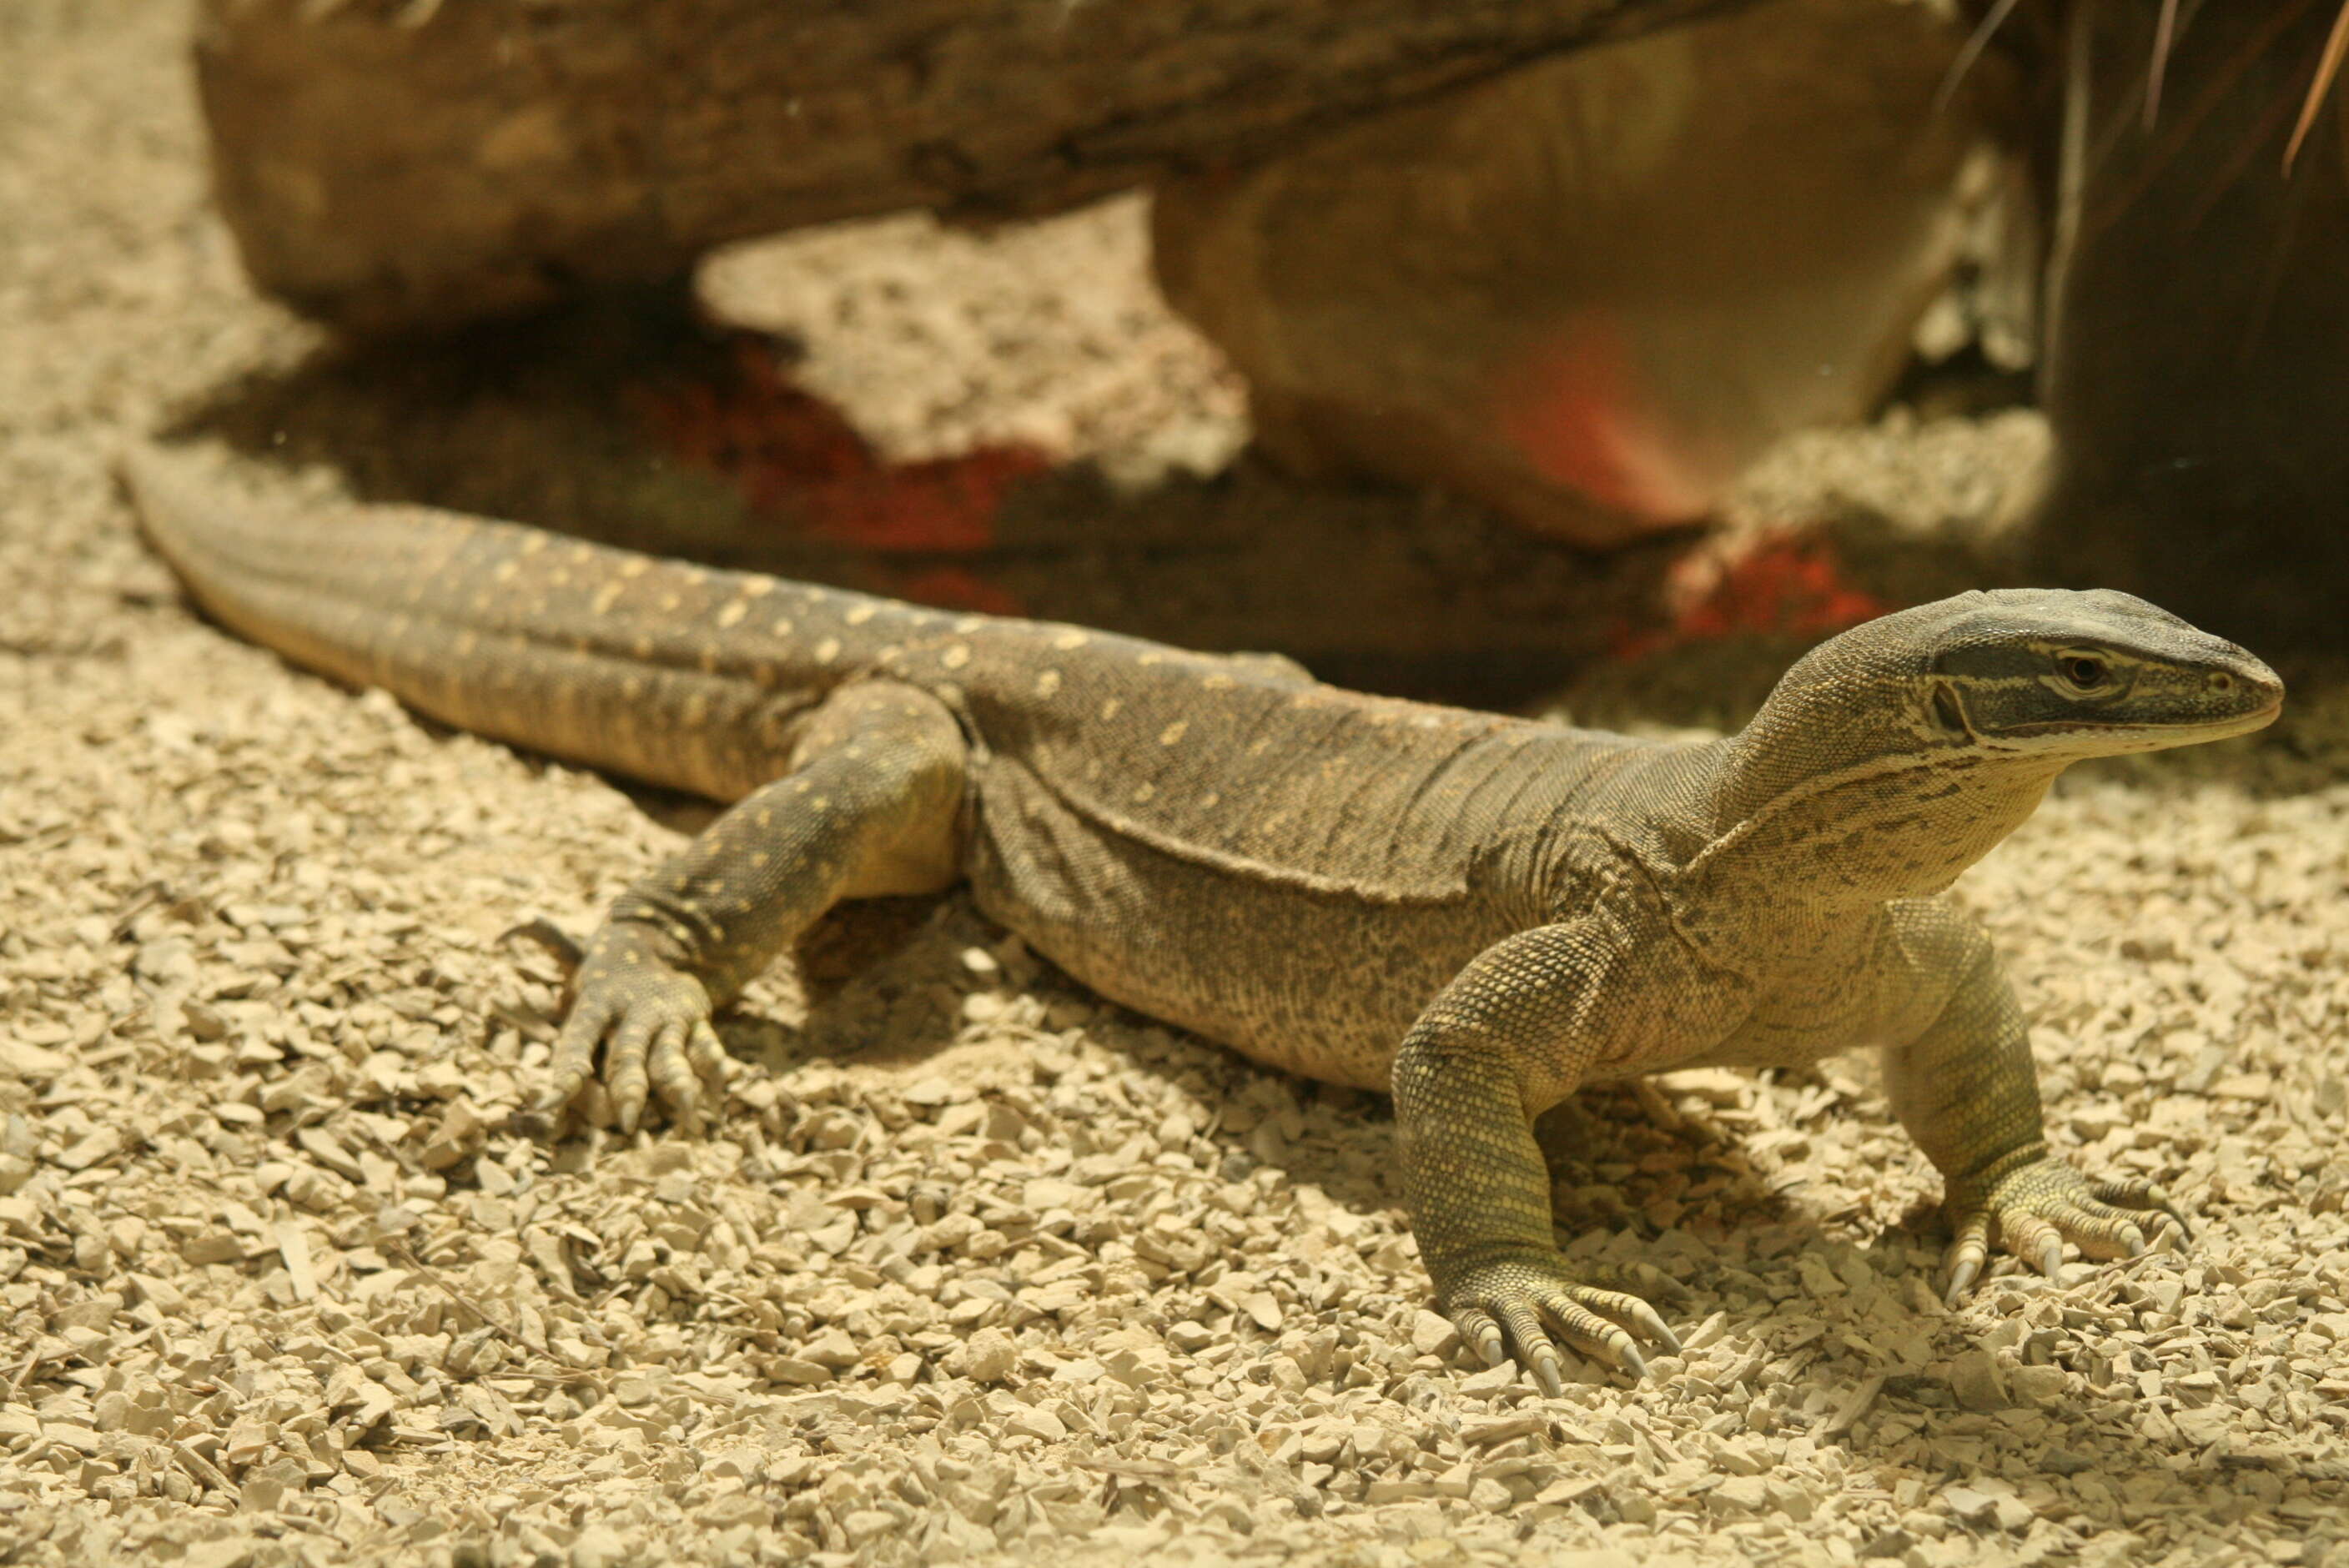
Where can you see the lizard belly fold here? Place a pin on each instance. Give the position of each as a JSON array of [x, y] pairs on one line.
[[1849, 987], [1294, 977]]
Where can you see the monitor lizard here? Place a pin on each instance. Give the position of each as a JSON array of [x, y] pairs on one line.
[[1475, 913]]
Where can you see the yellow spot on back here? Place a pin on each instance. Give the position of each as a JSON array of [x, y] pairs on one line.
[[1211, 799], [632, 687], [1108, 709], [827, 650], [1144, 792], [560, 577], [604, 597], [1071, 639], [965, 625], [1048, 682], [859, 616], [634, 566], [669, 601], [1174, 732], [507, 571], [1218, 681], [466, 642], [955, 658], [732, 614], [1151, 658], [781, 628], [533, 543], [758, 587], [696, 709], [821, 803]]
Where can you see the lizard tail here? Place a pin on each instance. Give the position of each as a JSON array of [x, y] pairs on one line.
[[673, 673]]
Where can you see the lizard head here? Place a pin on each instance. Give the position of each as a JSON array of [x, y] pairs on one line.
[[2047, 675], [1987, 694], [2066, 676]]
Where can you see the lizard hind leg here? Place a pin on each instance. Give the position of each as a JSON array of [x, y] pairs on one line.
[[871, 805]]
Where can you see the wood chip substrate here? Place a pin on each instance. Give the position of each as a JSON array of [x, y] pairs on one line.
[[975, 1268]]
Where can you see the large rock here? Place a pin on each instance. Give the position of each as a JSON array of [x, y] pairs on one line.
[[1590, 292], [390, 164]]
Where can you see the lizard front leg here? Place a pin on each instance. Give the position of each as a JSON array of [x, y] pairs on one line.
[[1966, 1088], [871, 805], [1513, 1035]]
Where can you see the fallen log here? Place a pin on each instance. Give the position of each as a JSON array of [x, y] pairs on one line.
[[390, 164]]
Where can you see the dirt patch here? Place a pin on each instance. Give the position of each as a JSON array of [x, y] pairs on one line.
[[977, 1267]]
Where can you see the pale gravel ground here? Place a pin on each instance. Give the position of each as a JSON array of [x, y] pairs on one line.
[[1092, 365], [1007, 1275]]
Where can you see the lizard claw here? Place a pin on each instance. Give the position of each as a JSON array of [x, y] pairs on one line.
[[2141, 1196], [1961, 1270], [2038, 1206], [1511, 1303], [1483, 1336], [651, 1021], [1547, 1372]]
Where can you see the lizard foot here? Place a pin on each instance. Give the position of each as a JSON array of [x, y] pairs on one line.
[[1507, 1305], [652, 1020], [2038, 1206]]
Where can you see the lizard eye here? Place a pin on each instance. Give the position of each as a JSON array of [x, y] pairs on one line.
[[2082, 671]]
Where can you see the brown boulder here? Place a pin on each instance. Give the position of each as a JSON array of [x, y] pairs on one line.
[[1590, 292]]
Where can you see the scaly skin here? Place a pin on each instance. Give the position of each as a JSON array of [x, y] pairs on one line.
[[1478, 914]]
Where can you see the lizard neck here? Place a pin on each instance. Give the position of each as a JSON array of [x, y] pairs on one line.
[[1850, 838]]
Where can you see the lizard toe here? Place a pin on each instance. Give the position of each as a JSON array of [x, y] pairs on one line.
[[1632, 1313], [2032, 1237], [672, 1074], [1481, 1335], [2102, 1230], [1585, 1328], [707, 1055], [1966, 1258], [574, 1059], [1529, 1338], [1548, 1369], [1524, 1305], [624, 1074], [2040, 1204], [649, 1021], [2138, 1195]]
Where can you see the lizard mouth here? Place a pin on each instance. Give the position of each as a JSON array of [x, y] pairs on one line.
[[2243, 723], [2119, 735]]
